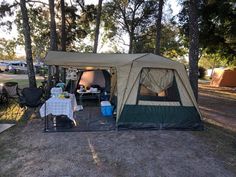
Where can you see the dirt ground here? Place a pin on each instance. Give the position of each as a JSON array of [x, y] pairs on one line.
[[25, 151], [218, 105]]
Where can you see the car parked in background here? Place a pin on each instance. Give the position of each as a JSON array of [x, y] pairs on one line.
[[17, 67], [4, 66]]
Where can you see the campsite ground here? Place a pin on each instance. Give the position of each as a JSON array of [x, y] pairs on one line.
[[26, 151], [218, 105]]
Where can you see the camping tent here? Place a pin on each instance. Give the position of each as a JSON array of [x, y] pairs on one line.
[[151, 91], [224, 77]]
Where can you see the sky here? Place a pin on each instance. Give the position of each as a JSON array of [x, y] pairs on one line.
[[20, 50]]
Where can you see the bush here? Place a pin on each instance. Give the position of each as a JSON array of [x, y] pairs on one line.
[[43, 71], [201, 72]]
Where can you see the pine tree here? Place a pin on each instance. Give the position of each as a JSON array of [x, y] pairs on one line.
[[28, 48]]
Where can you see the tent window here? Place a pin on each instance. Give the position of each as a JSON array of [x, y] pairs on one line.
[[158, 85]]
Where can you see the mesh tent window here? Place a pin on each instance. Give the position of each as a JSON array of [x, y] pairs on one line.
[[158, 85]]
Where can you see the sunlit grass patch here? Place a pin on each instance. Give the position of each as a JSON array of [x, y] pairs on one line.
[[11, 112]]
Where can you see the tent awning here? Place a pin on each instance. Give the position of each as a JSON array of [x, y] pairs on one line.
[[75, 59], [89, 59]]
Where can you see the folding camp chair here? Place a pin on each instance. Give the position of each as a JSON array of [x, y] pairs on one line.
[[31, 97], [11, 89]]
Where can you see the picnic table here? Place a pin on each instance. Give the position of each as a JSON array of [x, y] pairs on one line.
[[59, 106]]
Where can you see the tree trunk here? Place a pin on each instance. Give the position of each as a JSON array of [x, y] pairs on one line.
[[98, 19], [63, 38], [131, 41], [53, 32], [28, 47], [193, 46], [158, 28], [63, 26]]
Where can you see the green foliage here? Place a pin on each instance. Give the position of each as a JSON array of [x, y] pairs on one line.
[[132, 17], [7, 9], [79, 24], [217, 24], [171, 43], [40, 32], [7, 49], [109, 18], [219, 27], [82, 47], [213, 61], [39, 26]]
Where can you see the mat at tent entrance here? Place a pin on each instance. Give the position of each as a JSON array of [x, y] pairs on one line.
[[4, 127], [89, 119]]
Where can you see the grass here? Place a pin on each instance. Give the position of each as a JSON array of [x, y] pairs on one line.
[[22, 83], [11, 112]]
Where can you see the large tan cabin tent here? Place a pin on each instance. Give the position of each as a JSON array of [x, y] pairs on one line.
[[152, 91], [224, 77]]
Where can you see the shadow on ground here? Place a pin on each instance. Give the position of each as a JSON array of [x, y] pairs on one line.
[[218, 104]]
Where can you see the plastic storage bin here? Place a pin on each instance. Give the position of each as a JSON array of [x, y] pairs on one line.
[[106, 108]]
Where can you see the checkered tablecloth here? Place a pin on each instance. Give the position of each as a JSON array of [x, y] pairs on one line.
[[60, 106]]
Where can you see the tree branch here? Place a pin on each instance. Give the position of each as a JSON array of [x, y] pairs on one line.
[[81, 4], [124, 17], [13, 5], [36, 1]]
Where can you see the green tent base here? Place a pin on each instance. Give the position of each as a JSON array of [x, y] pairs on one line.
[[160, 117]]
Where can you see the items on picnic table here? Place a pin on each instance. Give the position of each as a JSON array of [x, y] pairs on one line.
[[61, 85], [57, 92]]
